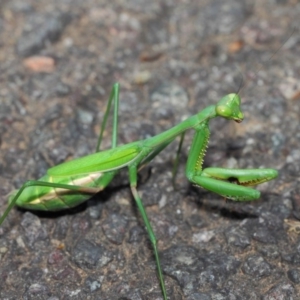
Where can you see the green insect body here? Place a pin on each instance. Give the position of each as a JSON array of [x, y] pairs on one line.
[[54, 199], [73, 182]]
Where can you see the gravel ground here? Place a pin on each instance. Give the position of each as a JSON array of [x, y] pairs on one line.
[[172, 59]]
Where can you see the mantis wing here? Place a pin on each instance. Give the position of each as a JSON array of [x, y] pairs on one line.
[[103, 161]]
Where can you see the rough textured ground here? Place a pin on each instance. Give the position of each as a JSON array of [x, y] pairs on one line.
[[172, 58]]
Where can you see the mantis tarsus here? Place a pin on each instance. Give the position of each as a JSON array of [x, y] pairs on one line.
[[73, 182]]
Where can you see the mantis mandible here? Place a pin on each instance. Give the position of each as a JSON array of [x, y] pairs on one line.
[[71, 183]]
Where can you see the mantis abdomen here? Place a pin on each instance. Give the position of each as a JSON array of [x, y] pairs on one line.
[[47, 198]]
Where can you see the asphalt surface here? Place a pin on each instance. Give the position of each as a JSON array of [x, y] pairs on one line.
[[172, 59]]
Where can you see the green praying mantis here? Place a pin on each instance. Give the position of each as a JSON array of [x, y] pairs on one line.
[[73, 182]]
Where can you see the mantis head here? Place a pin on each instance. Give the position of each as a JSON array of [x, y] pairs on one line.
[[229, 108]]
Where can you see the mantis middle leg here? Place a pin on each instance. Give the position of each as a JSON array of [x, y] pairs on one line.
[[152, 237]]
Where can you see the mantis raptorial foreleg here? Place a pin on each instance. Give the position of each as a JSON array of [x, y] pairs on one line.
[[152, 237], [229, 183]]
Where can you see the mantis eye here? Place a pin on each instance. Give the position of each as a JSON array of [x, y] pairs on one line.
[[224, 111]]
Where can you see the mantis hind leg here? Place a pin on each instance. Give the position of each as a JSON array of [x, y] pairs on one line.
[[114, 97]]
